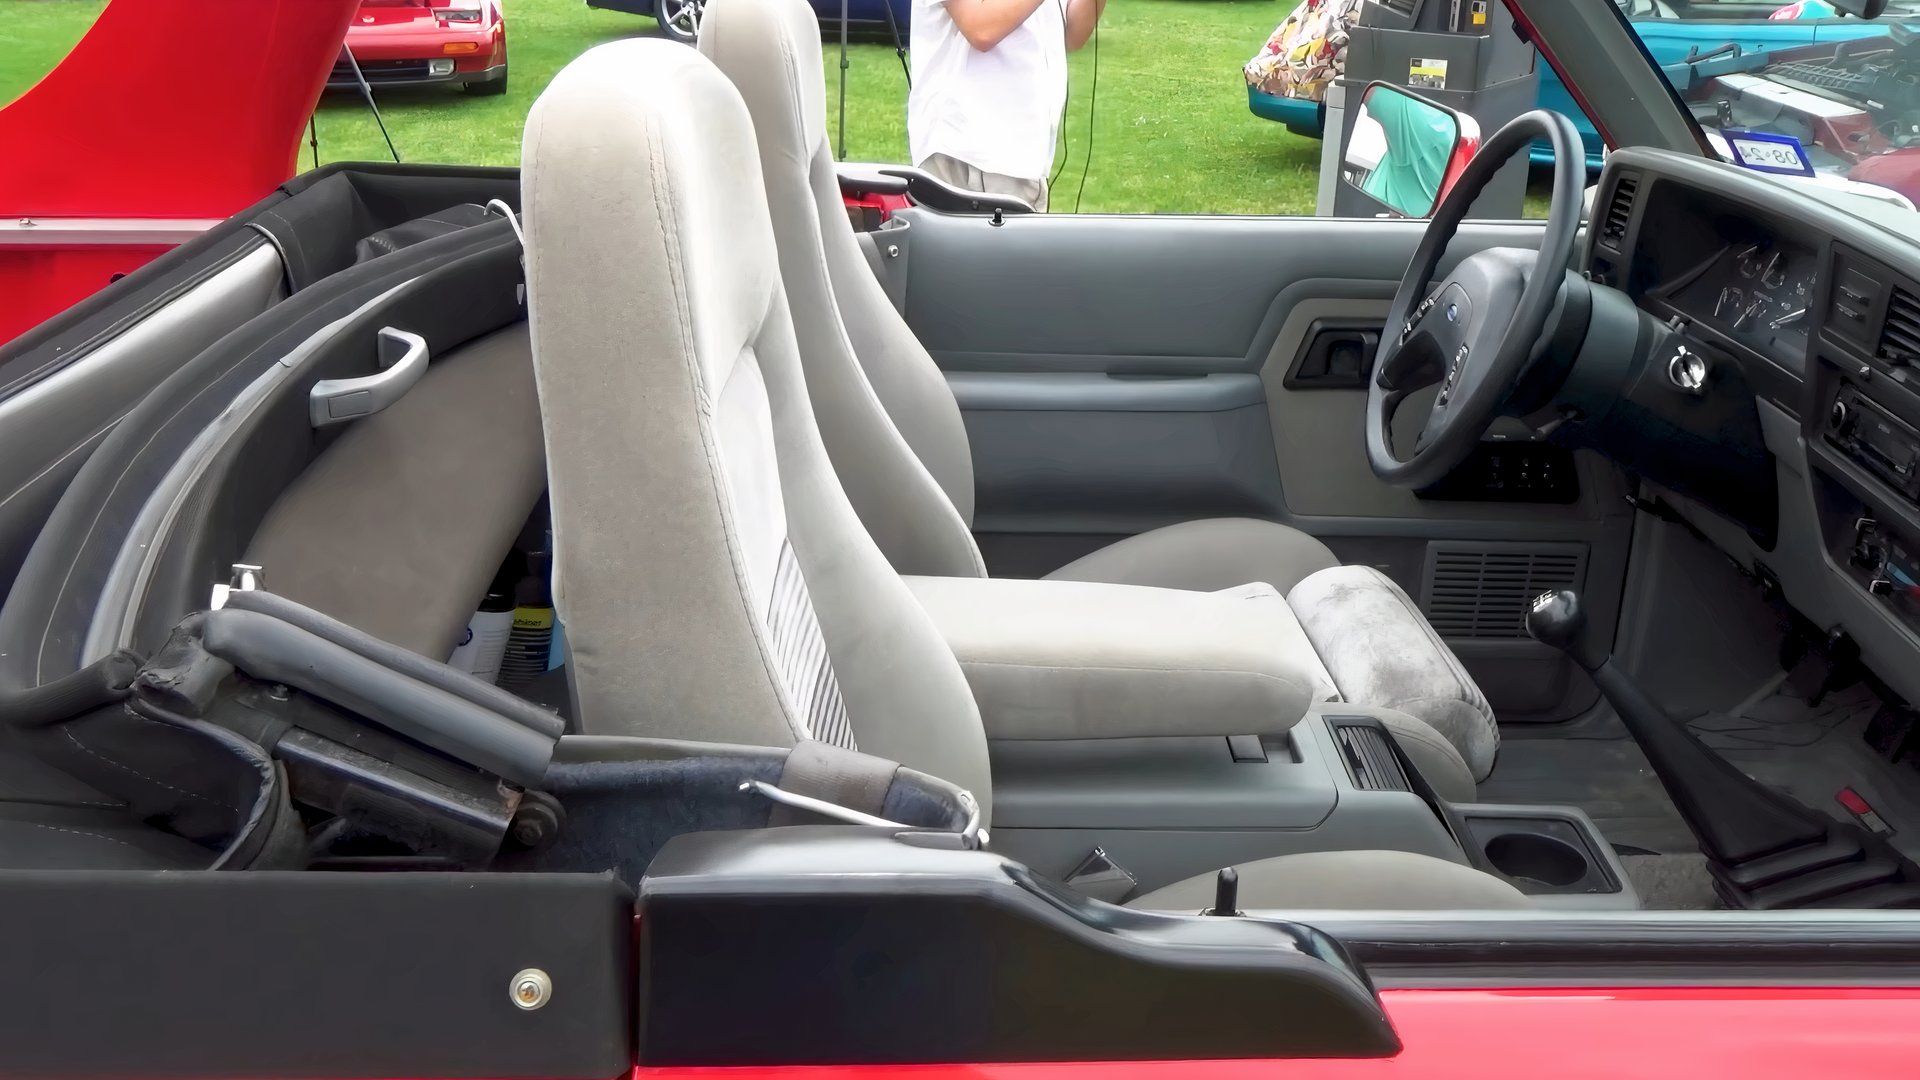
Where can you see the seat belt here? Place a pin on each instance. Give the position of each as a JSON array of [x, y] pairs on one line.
[[833, 774]]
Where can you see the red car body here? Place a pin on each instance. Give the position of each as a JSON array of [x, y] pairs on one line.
[[92, 190], [425, 42]]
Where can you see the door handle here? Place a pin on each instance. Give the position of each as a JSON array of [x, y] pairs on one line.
[[403, 356], [1336, 354]]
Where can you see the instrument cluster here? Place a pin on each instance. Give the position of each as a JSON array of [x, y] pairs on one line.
[[1758, 293]]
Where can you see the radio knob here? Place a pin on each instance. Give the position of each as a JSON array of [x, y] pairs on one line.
[[1840, 417]]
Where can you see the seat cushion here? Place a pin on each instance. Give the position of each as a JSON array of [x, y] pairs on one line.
[[399, 525], [1205, 556], [1381, 651], [1346, 881]]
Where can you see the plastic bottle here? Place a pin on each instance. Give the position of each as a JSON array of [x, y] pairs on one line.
[[487, 632], [531, 640]]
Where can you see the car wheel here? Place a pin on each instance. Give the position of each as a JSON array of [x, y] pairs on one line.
[[490, 88], [679, 19]]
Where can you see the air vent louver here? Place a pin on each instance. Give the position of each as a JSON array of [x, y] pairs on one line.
[[1370, 761], [1485, 592], [1620, 210], [1900, 334]]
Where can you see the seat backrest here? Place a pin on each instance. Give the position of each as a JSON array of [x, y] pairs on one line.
[[714, 581], [892, 427]]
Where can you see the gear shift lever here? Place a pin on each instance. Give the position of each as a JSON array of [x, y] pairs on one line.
[[1556, 618], [1764, 849]]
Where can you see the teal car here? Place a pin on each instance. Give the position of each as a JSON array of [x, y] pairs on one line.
[[1673, 31]]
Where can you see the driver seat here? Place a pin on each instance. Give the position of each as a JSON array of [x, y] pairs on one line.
[[893, 430], [715, 582]]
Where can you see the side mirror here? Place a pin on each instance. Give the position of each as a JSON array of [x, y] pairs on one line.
[[1406, 151], [1865, 9]]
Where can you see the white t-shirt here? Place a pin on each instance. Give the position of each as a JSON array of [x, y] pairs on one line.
[[998, 110]]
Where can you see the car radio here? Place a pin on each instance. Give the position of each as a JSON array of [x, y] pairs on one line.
[[1875, 439]]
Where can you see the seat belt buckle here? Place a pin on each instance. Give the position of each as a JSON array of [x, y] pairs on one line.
[[1099, 877]]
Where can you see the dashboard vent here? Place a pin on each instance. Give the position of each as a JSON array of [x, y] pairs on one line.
[[1620, 210], [1370, 761], [1484, 591], [1900, 334]]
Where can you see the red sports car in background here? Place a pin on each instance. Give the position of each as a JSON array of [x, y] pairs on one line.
[[425, 42]]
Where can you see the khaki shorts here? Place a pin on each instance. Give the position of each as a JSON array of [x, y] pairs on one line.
[[962, 175]]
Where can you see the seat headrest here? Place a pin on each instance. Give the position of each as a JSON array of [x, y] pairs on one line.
[[772, 49], [643, 146]]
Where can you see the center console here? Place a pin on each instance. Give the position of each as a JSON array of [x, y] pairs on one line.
[[1165, 809], [1140, 737]]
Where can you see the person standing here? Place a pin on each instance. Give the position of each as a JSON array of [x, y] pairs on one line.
[[989, 87]]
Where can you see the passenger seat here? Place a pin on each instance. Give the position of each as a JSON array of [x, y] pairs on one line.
[[894, 434], [715, 581]]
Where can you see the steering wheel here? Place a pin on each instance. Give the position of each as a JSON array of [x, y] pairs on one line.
[[1476, 331]]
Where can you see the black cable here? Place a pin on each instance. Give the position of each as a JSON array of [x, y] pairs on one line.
[[899, 48], [1093, 100], [367, 91], [842, 153], [313, 135], [1063, 152]]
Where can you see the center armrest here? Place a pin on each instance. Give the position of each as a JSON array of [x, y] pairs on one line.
[[1089, 660]]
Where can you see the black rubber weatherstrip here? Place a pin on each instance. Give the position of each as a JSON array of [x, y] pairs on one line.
[[435, 715], [409, 663]]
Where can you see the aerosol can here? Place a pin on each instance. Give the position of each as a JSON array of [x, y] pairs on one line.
[[487, 632]]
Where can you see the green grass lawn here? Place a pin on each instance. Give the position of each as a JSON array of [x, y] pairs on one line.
[[1170, 134]]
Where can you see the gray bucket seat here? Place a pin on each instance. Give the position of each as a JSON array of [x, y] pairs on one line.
[[715, 582], [893, 431]]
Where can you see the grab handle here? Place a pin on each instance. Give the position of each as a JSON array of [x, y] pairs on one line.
[[403, 356]]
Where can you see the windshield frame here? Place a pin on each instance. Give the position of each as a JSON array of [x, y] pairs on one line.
[[1630, 104]]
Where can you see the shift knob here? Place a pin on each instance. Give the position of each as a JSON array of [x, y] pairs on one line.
[[1557, 618]]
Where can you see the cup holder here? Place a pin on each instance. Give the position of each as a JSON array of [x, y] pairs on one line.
[[1551, 862]]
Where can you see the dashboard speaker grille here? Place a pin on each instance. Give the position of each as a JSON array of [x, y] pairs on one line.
[[1620, 210], [1483, 591], [1900, 334]]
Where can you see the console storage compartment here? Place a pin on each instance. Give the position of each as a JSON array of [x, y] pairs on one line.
[[1167, 809]]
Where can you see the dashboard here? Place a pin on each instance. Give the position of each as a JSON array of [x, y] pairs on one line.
[[1805, 308]]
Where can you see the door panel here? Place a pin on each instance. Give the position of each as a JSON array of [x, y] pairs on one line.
[[1117, 374], [1085, 452]]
